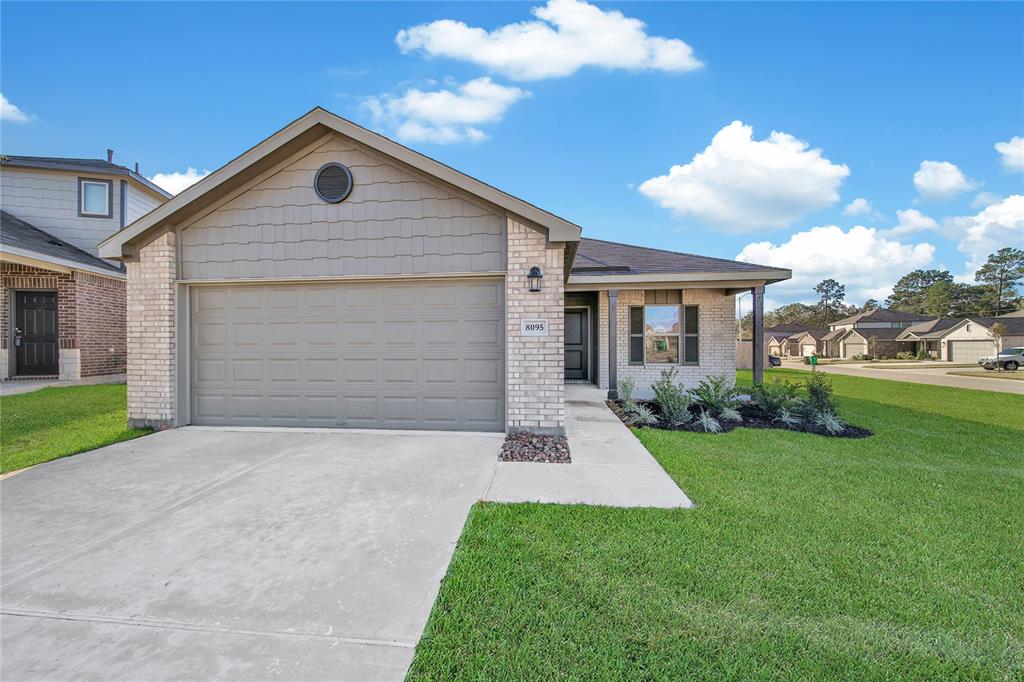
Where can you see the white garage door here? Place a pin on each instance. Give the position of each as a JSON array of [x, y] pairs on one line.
[[851, 348], [969, 351], [807, 349], [425, 355]]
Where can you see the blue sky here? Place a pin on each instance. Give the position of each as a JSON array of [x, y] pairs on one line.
[[583, 110]]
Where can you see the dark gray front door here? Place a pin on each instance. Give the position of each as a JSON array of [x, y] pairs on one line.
[[35, 333], [577, 344]]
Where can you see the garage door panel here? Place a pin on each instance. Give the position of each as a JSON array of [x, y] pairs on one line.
[[969, 350], [368, 355]]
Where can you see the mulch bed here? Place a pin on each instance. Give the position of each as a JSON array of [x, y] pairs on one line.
[[532, 447], [753, 418]]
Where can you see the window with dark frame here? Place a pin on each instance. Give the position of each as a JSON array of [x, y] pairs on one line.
[[664, 335]]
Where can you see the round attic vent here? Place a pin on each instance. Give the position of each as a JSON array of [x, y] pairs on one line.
[[333, 182]]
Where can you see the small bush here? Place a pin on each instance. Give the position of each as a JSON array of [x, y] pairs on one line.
[[671, 398], [906, 355], [640, 415], [626, 387], [775, 396], [819, 393], [717, 395], [923, 355], [708, 422], [787, 418], [829, 422]]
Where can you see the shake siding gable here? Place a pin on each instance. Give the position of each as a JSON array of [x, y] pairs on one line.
[[395, 222]]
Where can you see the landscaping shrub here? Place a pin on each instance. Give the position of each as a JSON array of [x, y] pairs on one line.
[[671, 398], [708, 423], [906, 355], [776, 396], [640, 415], [923, 355], [626, 387], [719, 397]]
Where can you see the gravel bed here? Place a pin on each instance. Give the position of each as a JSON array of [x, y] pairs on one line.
[[532, 447]]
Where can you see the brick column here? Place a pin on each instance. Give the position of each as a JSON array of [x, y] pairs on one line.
[[151, 342], [535, 365]]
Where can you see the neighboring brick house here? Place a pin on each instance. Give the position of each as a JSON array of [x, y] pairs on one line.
[[62, 307], [962, 339], [332, 277]]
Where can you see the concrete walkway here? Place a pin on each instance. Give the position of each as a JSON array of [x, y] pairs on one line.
[[935, 376], [17, 387], [609, 465]]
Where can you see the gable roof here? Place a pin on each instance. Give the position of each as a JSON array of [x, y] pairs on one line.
[[596, 258], [881, 315], [297, 134], [80, 166], [20, 238], [816, 334], [931, 329]]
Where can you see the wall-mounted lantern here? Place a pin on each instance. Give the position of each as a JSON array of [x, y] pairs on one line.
[[535, 277]]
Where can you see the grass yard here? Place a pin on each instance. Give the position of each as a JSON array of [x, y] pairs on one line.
[[57, 422], [896, 557]]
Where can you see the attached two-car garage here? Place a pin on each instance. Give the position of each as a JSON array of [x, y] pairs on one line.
[[424, 354]]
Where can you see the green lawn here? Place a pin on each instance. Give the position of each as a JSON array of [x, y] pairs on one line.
[[56, 422], [900, 556]]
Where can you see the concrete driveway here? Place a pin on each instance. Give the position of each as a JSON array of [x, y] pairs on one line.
[[200, 553]]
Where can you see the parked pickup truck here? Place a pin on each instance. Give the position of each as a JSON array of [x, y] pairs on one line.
[[1008, 358]]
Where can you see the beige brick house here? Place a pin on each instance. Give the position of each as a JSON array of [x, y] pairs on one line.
[[332, 277]]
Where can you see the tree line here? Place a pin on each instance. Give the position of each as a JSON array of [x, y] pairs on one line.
[[996, 291]]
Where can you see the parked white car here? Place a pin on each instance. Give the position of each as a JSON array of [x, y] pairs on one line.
[[1008, 358]]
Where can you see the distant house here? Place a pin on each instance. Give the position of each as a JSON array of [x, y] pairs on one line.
[[875, 329], [963, 339], [62, 306], [792, 339]]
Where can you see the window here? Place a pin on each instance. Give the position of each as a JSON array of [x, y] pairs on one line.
[[94, 198], [659, 333]]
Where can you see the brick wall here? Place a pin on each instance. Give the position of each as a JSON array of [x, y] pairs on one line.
[[716, 338], [151, 338], [17, 276], [101, 324], [535, 373]]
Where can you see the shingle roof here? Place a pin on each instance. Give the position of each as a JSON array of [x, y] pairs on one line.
[[16, 233], [80, 165], [882, 334], [1014, 325], [882, 315], [933, 329], [1018, 313], [598, 257]]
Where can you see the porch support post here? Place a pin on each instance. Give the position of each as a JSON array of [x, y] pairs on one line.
[[758, 346], [613, 344]]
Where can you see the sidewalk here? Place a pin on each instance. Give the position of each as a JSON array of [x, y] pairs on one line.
[[609, 467]]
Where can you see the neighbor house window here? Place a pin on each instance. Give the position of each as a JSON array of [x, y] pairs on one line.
[[94, 198], [663, 335]]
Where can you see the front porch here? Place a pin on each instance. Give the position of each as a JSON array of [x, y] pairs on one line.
[[613, 333]]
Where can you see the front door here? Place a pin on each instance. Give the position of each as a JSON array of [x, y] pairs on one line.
[[35, 333], [577, 344]]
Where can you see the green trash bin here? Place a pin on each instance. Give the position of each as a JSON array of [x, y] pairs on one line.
[[814, 360]]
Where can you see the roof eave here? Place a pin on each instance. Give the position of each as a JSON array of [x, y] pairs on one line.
[[753, 277], [92, 170], [321, 121], [63, 264]]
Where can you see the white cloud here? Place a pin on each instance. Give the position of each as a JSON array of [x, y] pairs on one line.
[[859, 206], [443, 116], [860, 258], [177, 182], [568, 35], [985, 199], [740, 184], [910, 221], [994, 227], [1012, 152], [9, 111], [941, 180]]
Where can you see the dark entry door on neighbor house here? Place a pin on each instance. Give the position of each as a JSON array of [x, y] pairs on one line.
[[35, 333], [577, 344]]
